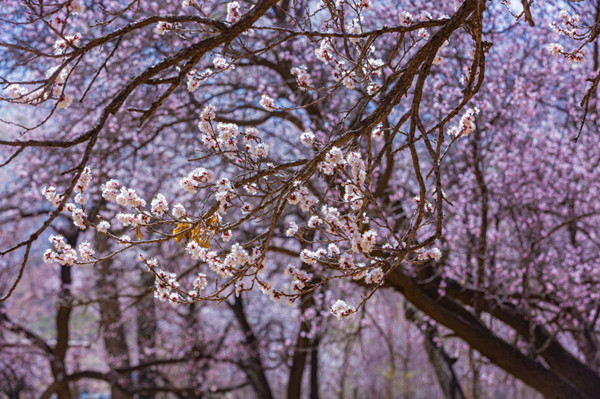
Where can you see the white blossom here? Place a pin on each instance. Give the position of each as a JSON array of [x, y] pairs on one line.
[[267, 103], [341, 309], [200, 282], [178, 211], [84, 181], [220, 63], [62, 45], [50, 193], [555, 48], [292, 229], [86, 251], [103, 226], [307, 138], [162, 27], [233, 12], [302, 76], [159, 205], [110, 190], [346, 261], [64, 101], [374, 276], [405, 18]]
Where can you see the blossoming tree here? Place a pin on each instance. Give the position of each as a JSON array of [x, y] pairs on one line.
[[322, 153]]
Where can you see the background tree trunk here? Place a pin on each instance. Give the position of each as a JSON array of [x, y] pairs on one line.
[[146, 338], [111, 320], [254, 369]]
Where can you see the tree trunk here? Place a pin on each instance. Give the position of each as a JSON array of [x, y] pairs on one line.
[[147, 326], [301, 350], [552, 383], [314, 369], [254, 369], [111, 320], [442, 366], [441, 362], [63, 316]]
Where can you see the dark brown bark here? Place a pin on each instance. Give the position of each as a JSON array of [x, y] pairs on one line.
[[294, 388], [111, 320], [301, 350], [63, 316], [556, 357], [314, 369], [453, 315], [147, 326], [440, 361], [480, 253], [442, 366], [254, 368]]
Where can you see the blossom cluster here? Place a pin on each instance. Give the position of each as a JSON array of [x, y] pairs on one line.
[[195, 179], [569, 27], [302, 76], [345, 73], [159, 205], [300, 279], [165, 286], [78, 214], [429, 254], [194, 77], [57, 75], [225, 140], [341, 309], [466, 125], [62, 254], [112, 191], [61, 46], [302, 197], [267, 102], [224, 265], [233, 12]]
